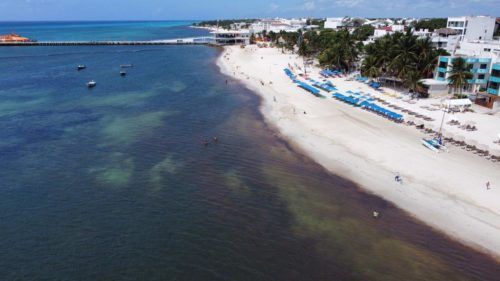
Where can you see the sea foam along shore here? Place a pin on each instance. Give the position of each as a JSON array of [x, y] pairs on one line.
[[446, 191]]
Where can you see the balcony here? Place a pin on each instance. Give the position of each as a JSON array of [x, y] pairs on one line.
[[496, 66], [471, 60], [442, 69], [493, 91], [484, 60], [479, 71], [444, 59], [495, 79], [477, 81]]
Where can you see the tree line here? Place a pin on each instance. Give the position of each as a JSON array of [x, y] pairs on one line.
[[401, 56]]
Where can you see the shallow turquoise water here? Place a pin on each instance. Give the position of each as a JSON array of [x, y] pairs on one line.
[[101, 30], [114, 183]]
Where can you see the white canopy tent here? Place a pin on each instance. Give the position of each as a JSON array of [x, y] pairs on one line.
[[457, 103]]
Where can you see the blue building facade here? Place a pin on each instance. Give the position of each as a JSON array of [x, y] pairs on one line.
[[494, 81], [479, 67]]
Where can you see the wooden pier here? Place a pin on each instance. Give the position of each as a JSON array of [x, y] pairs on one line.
[[185, 41]]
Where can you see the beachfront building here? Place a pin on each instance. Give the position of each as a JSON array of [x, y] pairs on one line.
[[491, 98], [446, 39], [478, 48], [479, 67], [231, 37], [13, 38], [461, 33], [484, 83], [473, 27]]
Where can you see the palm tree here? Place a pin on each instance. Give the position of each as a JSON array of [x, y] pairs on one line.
[[370, 67], [459, 75], [412, 81], [426, 57], [405, 55]]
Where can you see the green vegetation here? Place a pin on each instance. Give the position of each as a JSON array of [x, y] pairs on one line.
[[403, 56], [363, 32], [335, 49], [226, 24], [430, 24], [459, 74]]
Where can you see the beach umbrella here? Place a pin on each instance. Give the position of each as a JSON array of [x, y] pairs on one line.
[[470, 143], [483, 148], [495, 152]]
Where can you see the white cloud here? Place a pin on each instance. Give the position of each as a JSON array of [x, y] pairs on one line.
[[309, 5], [273, 7]]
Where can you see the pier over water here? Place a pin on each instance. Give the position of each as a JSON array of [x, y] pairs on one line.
[[182, 41]]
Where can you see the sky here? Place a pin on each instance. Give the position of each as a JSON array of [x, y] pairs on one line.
[[34, 10]]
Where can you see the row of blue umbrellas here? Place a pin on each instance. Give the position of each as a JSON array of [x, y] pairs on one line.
[[369, 106]]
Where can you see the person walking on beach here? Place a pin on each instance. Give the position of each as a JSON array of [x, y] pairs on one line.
[[398, 178], [488, 186]]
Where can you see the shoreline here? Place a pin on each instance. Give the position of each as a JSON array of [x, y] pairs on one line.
[[370, 150]]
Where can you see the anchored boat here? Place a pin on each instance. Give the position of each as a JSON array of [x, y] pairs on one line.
[[91, 84], [123, 73], [81, 67]]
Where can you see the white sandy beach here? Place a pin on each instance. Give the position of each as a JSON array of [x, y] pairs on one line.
[[446, 191]]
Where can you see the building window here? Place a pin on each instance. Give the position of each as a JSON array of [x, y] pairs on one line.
[[495, 73], [483, 66], [480, 76], [443, 64], [487, 50], [441, 74]]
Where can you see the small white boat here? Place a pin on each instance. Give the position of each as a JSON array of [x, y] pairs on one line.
[[80, 67], [126, 65], [434, 145], [91, 84], [123, 73]]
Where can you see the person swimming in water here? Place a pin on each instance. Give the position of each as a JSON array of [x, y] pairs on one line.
[[216, 140]]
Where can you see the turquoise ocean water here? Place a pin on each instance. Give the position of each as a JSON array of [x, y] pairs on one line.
[[114, 183]]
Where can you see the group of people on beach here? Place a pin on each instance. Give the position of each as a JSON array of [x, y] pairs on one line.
[[399, 180]]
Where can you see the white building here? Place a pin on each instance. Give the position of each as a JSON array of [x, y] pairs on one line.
[[473, 27], [398, 28], [231, 37], [334, 23], [278, 25], [480, 49]]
